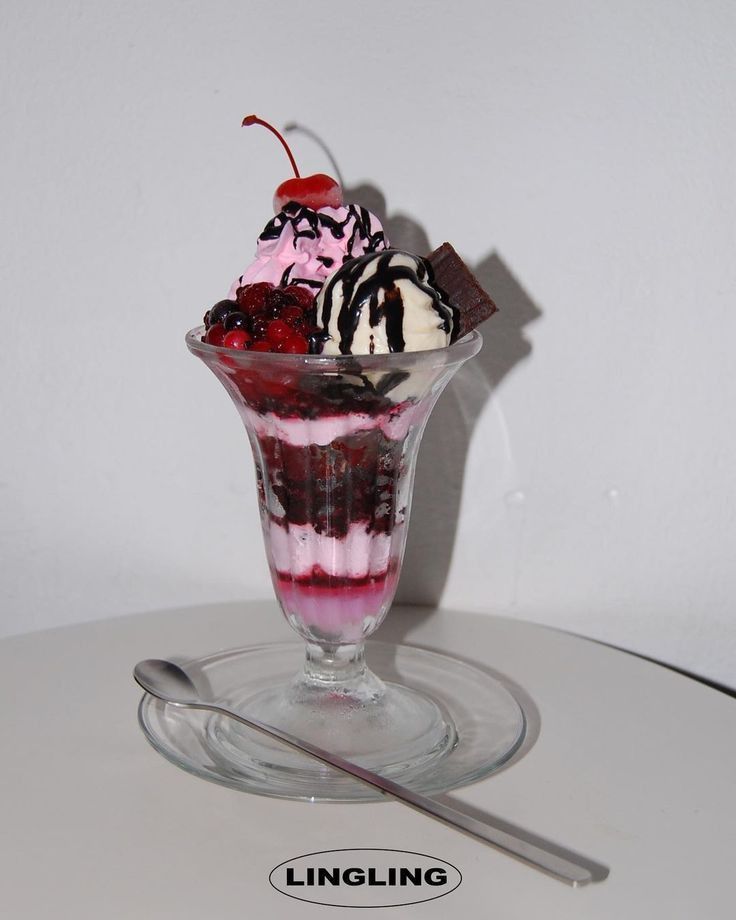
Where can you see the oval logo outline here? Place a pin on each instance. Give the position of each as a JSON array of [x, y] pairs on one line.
[[432, 897]]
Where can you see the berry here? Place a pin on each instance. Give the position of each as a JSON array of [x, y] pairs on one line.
[[236, 338], [293, 316], [237, 320], [277, 300], [206, 320], [264, 318], [296, 345], [254, 297], [215, 334], [220, 310], [318, 191], [301, 295], [260, 327], [278, 331]]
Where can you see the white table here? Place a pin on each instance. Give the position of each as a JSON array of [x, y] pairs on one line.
[[632, 765]]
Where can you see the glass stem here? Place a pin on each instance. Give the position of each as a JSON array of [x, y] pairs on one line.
[[335, 665]]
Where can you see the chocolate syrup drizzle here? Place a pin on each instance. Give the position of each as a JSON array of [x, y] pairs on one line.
[[379, 292]]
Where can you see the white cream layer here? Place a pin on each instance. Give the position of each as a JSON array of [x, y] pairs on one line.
[[298, 548], [323, 430]]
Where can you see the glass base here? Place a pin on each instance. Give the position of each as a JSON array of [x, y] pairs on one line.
[[399, 725], [403, 732]]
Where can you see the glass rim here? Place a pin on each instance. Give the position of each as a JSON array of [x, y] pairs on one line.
[[464, 348]]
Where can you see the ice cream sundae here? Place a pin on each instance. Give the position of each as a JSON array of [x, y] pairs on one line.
[[334, 348]]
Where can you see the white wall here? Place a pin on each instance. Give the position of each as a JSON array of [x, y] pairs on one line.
[[580, 153]]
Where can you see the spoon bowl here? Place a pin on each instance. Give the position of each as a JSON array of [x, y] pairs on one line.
[[167, 681]]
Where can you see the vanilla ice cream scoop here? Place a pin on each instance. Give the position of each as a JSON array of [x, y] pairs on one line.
[[382, 302]]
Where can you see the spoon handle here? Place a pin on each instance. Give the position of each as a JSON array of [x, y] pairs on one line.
[[533, 854]]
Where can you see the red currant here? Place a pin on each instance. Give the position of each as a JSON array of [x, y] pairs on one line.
[[236, 338], [296, 345], [292, 315], [278, 331], [261, 345]]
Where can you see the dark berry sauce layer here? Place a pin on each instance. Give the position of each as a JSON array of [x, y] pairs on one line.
[[352, 480], [318, 578]]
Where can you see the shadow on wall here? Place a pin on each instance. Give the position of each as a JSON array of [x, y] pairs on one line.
[[443, 454]]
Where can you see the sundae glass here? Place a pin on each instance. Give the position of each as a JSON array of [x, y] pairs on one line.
[[335, 442], [334, 349]]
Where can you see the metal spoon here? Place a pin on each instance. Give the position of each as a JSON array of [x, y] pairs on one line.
[[169, 682]]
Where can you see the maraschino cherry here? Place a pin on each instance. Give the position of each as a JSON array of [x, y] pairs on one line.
[[317, 191]]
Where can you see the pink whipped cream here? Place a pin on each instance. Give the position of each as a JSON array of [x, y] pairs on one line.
[[300, 245], [297, 549], [395, 424]]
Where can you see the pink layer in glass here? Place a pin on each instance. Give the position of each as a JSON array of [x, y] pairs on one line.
[[344, 607]]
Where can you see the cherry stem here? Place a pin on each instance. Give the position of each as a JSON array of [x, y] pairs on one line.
[[255, 120], [293, 126]]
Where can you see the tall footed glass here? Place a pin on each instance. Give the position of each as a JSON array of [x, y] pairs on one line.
[[335, 442]]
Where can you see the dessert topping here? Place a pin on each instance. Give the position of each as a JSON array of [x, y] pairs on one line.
[[302, 247], [461, 289], [383, 302], [317, 191], [263, 318]]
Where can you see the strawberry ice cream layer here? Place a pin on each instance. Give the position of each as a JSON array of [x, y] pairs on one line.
[[297, 550], [347, 610], [301, 432]]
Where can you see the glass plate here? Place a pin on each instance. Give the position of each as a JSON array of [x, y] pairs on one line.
[[487, 725]]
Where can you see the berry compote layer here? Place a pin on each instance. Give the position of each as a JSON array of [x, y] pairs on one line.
[[332, 443]]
